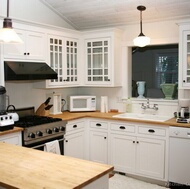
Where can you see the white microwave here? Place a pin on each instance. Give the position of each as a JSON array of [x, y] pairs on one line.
[[82, 103]]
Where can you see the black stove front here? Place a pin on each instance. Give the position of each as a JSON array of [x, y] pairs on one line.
[[40, 129]]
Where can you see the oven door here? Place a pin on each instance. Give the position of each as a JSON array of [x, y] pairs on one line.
[[40, 145]]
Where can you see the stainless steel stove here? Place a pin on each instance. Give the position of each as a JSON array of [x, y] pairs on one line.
[[39, 129]]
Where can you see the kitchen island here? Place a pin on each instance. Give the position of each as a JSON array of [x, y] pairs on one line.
[[23, 168]]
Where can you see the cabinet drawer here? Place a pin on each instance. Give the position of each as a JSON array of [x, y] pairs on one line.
[[11, 140], [123, 127], [152, 131], [99, 125], [74, 126]]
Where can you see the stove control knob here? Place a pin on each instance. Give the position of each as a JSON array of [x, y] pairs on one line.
[[62, 128], [55, 129], [49, 131], [39, 133], [31, 135]]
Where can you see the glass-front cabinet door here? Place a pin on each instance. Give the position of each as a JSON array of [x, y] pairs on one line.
[[98, 61], [186, 58], [71, 61], [63, 59]]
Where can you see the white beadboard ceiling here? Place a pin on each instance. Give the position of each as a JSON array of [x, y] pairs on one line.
[[88, 14]]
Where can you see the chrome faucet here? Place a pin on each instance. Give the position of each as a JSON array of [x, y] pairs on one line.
[[147, 106]]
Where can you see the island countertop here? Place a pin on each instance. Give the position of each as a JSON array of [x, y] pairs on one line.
[[37, 169]]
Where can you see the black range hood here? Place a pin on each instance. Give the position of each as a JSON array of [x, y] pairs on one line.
[[28, 71]]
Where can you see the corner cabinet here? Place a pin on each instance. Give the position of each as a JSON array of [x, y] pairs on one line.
[[184, 56], [33, 48], [102, 58]]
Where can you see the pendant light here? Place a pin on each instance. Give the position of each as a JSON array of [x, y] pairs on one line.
[[7, 33], [141, 40]]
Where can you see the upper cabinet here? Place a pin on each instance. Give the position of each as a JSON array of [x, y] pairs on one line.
[[33, 48], [63, 58], [102, 51], [184, 56]]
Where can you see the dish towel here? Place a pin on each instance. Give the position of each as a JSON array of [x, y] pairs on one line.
[[52, 147]]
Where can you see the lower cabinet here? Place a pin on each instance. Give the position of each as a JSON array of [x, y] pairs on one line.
[[98, 146], [98, 141], [141, 150], [12, 138], [131, 147], [123, 153], [74, 143], [150, 157]]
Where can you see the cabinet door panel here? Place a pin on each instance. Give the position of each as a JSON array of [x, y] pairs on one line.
[[74, 145], [123, 153], [36, 46], [98, 146], [150, 157]]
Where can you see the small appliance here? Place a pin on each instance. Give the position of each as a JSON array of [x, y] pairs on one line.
[[82, 103], [183, 114], [6, 119]]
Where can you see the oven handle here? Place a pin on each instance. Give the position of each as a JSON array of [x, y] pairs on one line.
[[41, 145]]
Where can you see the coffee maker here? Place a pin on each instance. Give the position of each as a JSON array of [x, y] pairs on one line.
[[183, 113]]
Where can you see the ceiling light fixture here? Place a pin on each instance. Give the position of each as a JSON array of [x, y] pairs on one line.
[[7, 33], [141, 40]]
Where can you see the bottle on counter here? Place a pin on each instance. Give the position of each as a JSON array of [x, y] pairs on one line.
[[129, 105]]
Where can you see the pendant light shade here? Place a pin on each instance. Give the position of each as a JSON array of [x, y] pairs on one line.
[[7, 33], [141, 40]]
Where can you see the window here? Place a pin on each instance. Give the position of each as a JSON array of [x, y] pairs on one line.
[[154, 65]]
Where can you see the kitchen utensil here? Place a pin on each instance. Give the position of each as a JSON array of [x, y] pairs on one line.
[[41, 109], [12, 113], [48, 107]]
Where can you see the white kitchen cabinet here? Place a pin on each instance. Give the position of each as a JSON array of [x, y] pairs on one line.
[[123, 153], [150, 157], [98, 141], [12, 138], [103, 58], [33, 48], [74, 143], [143, 149], [63, 58], [184, 56]]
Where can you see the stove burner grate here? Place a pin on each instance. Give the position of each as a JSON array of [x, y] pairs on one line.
[[34, 120]]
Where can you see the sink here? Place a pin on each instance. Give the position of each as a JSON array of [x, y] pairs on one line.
[[148, 117]]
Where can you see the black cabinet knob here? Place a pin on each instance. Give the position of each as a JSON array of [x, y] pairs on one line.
[[49, 131]]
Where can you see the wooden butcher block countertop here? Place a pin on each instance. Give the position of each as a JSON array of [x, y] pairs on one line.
[[72, 116], [35, 169], [15, 129]]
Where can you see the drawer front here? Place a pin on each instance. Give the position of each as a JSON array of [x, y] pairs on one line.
[[152, 131], [11, 140], [99, 125], [74, 126], [123, 127]]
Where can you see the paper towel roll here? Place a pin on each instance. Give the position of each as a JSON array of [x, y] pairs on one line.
[[104, 104]]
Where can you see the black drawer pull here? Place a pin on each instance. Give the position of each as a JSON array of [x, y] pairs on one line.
[[74, 126], [98, 124], [122, 127], [151, 131]]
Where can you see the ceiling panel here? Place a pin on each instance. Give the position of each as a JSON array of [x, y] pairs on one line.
[[88, 14]]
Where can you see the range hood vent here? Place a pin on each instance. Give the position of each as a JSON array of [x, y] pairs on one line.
[[28, 71]]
